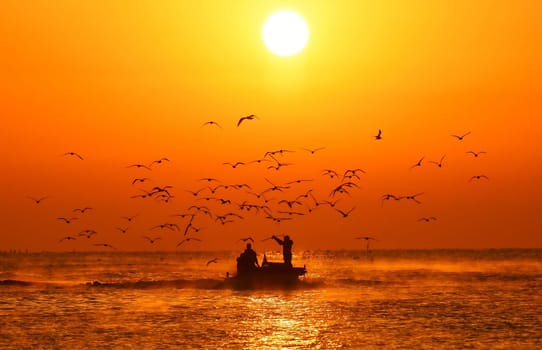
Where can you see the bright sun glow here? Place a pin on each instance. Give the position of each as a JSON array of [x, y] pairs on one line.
[[285, 33]]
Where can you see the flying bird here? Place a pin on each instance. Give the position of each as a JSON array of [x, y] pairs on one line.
[[233, 165], [427, 218], [460, 137], [73, 154], [439, 163], [475, 154], [379, 135], [159, 161], [343, 213], [478, 177], [67, 220], [138, 165], [211, 122], [419, 163], [152, 240], [105, 245], [139, 179], [212, 261], [248, 117], [82, 210], [188, 239], [313, 150], [37, 200], [244, 239], [67, 238]]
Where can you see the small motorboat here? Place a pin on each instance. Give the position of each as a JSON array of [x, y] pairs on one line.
[[268, 275]]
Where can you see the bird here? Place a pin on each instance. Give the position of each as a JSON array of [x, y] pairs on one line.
[[139, 165], [379, 135], [74, 154], [130, 218], [106, 245], [343, 213], [313, 150], [427, 218], [122, 229], [419, 163], [139, 179], [87, 233], [248, 117], [209, 179], [478, 177], [244, 239], [188, 239], [67, 238], [439, 163], [460, 137], [476, 154], [233, 165], [330, 172], [412, 197], [212, 261], [37, 200], [152, 240], [212, 122], [82, 210], [67, 220], [159, 161]]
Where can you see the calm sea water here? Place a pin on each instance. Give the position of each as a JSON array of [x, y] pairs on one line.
[[444, 299]]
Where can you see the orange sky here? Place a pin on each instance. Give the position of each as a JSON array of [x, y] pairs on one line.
[[124, 82]]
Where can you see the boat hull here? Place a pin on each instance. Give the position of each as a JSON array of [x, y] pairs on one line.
[[271, 275]]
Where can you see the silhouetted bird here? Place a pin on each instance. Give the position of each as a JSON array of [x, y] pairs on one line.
[[478, 177], [427, 218], [211, 122], [138, 165], [476, 154], [419, 163], [345, 213], [313, 150], [248, 117], [105, 245], [439, 163], [67, 238], [460, 137], [67, 220], [379, 135], [188, 239], [82, 210], [74, 154], [234, 165], [140, 179], [247, 239], [37, 200], [212, 261], [159, 161], [152, 240]]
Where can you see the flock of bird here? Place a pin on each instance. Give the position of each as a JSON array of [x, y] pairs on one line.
[[216, 202]]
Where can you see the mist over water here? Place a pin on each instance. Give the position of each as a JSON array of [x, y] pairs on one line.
[[389, 299]]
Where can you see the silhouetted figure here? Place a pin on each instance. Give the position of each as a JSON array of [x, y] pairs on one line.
[[286, 244], [247, 261]]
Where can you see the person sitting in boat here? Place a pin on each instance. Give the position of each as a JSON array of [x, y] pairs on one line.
[[248, 260], [286, 244]]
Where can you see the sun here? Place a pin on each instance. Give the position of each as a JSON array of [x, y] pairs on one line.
[[285, 33]]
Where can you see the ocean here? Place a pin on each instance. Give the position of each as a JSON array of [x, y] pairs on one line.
[[387, 299]]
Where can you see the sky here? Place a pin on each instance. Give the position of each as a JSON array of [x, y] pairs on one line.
[[132, 82]]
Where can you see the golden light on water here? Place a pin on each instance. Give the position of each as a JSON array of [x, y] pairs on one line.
[[285, 33]]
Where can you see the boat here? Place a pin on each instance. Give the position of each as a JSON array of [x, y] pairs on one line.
[[268, 275]]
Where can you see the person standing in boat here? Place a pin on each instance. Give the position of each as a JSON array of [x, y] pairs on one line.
[[286, 244], [248, 260]]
